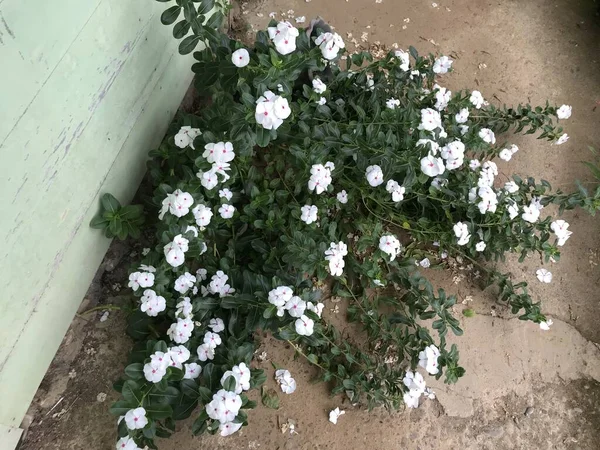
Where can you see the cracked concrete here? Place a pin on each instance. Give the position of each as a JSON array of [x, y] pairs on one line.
[[524, 388]]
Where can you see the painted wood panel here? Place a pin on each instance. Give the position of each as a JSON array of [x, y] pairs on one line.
[[87, 89]]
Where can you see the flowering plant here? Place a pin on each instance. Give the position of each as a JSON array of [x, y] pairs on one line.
[[302, 180]]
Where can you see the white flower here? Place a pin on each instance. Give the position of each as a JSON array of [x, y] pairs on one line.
[[179, 354], [295, 306], [546, 325], [309, 214], [226, 211], [487, 135], [192, 371], [318, 86], [562, 139], [477, 99], [202, 214], [321, 101], [342, 197], [454, 150], [228, 428], [330, 44], [474, 164], [544, 275], [428, 359], [304, 326], [181, 331], [561, 230], [442, 64], [511, 187], [185, 137], [201, 274], [220, 152], [242, 375], [160, 359], [280, 295], [425, 263], [217, 325], [462, 116], [136, 418], [335, 255], [461, 230], [530, 213], [505, 154], [396, 190], [378, 283], [152, 304], [404, 58], [281, 108], [221, 168], [442, 96], [224, 406], [390, 245], [208, 179], [285, 381], [240, 58], [154, 373], [335, 414], [374, 175], [513, 210], [414, 382], [433, 146], [213, 340], [411, 401], [205, 352], [464, 129], [271, 110], [432, 166], [226, 194], [127, 443], [178, 203], [392, 103], [320, 177], [317, 309], [480, 246], [175, 251], [185, 282], [284, 37], [564, 112], [513, 149], [218, 284], [430, 119]]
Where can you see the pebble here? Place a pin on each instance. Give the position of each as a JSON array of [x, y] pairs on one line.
[[528, 411]]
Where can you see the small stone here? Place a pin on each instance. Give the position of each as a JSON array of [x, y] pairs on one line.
[[528, 411], [101, 397], [104, 316]]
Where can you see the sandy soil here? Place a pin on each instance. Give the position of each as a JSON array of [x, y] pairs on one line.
[[523, 388]]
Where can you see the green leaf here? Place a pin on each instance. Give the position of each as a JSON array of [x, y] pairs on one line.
[[98, 222], [263, 137], [181, 29], [131, 392], [158, 411], [206, 6], [170, 15], [110, 203], [215, 20], [188, 44], [135, 371], [270, 398], [230, 383], [121, 408]]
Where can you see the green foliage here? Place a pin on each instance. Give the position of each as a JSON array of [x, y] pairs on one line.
[[116, 220], [266, 244]]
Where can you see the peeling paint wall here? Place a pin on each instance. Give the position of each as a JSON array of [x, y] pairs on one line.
[[87, 88]]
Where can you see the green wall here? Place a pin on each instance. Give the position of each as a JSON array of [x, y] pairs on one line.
[[87, 88]]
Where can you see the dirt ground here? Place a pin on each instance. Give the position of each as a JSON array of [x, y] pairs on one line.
[[524, 388]]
